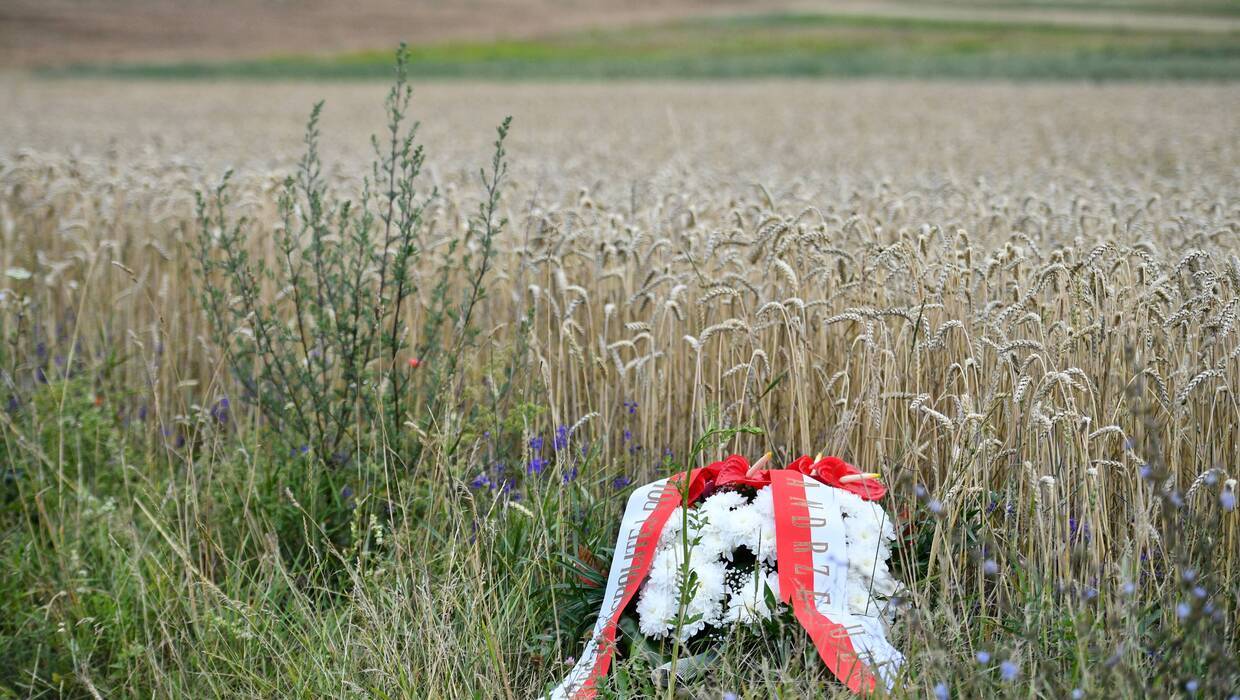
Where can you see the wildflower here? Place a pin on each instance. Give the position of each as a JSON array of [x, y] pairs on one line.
[[1009, 670], [631, 406], [220, 410], [560, 441], [346, 493], [1077, 694], [536, 443], [1191, 686], [628, 435], [983, 657], [570, 475], [479, 482], [1130, 588], [536, 466], [729, 696], [1183, 610], [1227, 499], [940, 692], [990, 567], [1199, 591], [620, 482], [935, 506], [414, 363], [1190, 575]]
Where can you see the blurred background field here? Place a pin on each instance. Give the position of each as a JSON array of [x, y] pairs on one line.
[[1015, 296], [590, 40]]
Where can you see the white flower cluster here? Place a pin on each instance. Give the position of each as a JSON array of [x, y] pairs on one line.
[[717, 527], [723, 523]]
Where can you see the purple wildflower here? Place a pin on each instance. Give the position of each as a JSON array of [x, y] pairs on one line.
[[480, 482], [561, 438], [536, 443], [631, 406], [536, 466], [628, 435], [620, 482], [570, 475], [220, 410]]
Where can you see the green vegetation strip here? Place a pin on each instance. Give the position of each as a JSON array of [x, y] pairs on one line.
[[768, 45]]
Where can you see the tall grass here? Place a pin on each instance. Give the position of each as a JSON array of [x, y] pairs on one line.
[[1046, 374]]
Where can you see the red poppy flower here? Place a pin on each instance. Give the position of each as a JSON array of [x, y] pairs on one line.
[[414, 362]]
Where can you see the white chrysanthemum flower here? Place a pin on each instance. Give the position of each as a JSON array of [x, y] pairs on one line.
[[720, 504], [859, 602], [656, 612], [766, 542], [743, 528], [671, 528], [764, 502], [665, 570]]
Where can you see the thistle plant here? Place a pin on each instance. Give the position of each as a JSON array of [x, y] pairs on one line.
[[317, 334]]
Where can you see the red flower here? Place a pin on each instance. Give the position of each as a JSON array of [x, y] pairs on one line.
[[736, 470], [833, 470], [414, 362]]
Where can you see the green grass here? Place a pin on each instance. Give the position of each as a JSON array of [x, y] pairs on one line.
[[766, 45]]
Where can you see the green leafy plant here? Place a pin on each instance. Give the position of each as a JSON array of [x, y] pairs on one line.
[[326, 352]]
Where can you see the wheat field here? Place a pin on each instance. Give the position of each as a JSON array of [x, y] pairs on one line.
[[1018, 303]]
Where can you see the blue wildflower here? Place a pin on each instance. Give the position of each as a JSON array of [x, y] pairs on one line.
[[990, 567], [1077, 694], [1227, 500], [940, 692], [570, 475], [561, 438], [220, 410], [983, 657], [1009, 670], [346, 493], [536, 466], [631, 406], [1199, 591], [480, 482], [1191, 686], [1183, 610], [935, 506], [628, 435], [536, 443], [620, 482]]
